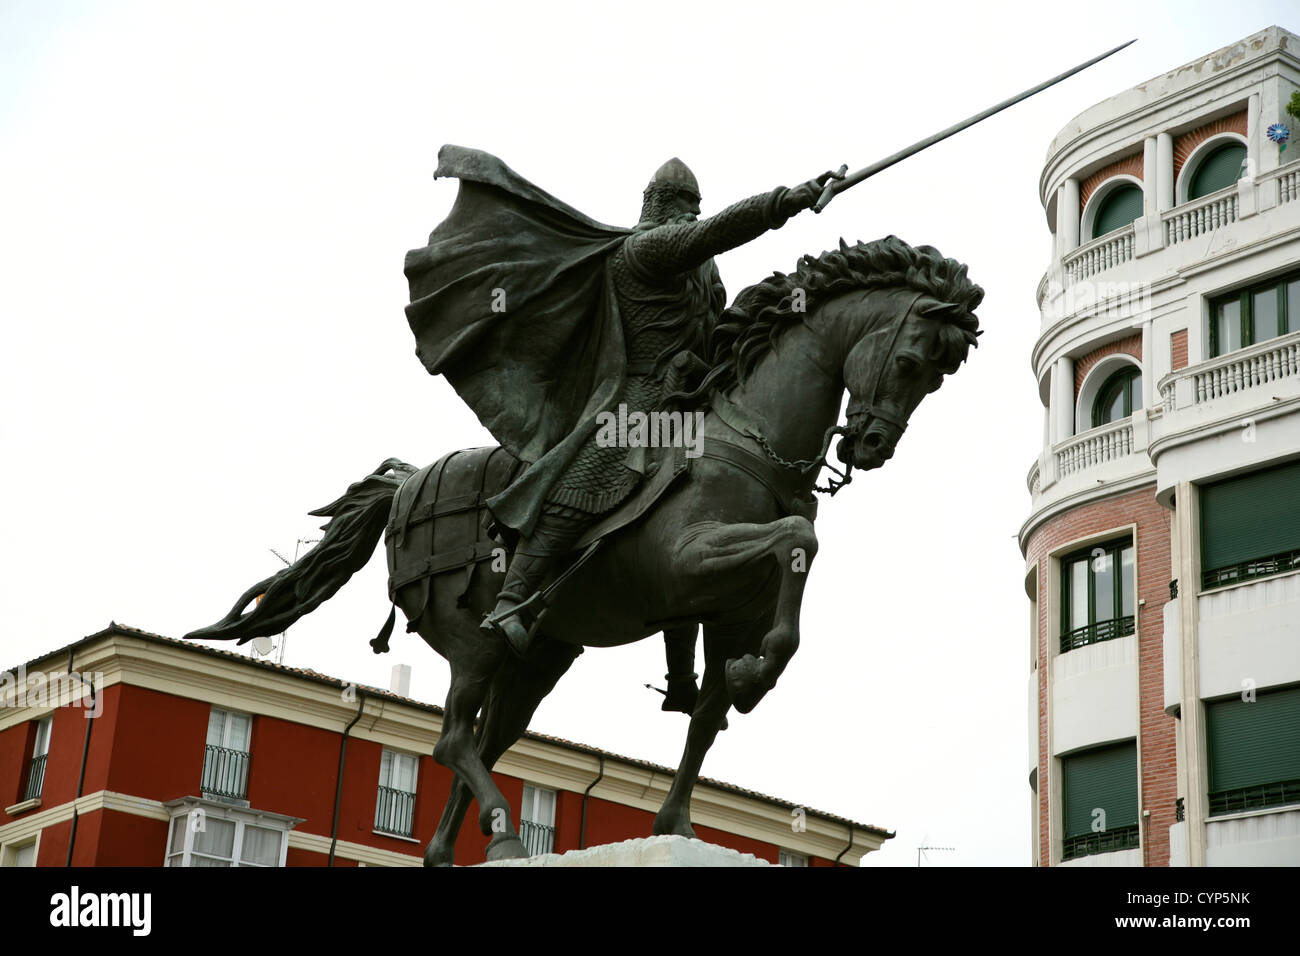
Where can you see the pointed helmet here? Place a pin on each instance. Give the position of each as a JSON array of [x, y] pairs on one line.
[[678, 174]]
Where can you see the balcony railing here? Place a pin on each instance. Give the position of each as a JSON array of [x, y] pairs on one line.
[[1121, 838], [1034, 480], [1200, 216], [1248, 570], [1260, 364], [395, 811], [537, 837], [225, 773], [1110, 250], [1096, 633], [1094, 447], [1255, 798], [35, 778], [1288, 182]]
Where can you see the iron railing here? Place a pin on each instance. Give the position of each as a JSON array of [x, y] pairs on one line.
[[35, 777], [1247, 570], [225, 773], [537, 837], [1121, 838], [395, 812], [1255, 798], [1096, 633]]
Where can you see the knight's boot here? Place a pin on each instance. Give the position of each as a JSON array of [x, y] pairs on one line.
[[525, 574], [679, 649]]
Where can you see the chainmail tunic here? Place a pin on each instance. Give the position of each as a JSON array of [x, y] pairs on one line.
[[669, 295]]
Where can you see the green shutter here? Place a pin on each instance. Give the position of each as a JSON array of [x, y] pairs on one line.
[[1105, 778], [1252, 517], [1254, 742], [1217, 171], [1118, 209]]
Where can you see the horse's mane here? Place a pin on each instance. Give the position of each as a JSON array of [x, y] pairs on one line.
[[760, 314]]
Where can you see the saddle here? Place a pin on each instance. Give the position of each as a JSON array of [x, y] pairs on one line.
[[440, 524]]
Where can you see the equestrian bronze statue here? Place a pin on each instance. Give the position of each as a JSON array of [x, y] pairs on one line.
[[657, 454]]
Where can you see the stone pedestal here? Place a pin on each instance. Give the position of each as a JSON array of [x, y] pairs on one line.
[[648, 851]]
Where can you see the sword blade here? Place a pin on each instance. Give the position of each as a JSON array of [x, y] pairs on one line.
[[836, 186]]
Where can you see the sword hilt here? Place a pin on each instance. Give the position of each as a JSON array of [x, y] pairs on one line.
[[828, 193]]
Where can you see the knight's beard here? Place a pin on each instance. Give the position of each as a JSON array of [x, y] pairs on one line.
[[656, 210]]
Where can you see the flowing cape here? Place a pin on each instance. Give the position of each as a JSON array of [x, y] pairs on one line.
[[512, 302]]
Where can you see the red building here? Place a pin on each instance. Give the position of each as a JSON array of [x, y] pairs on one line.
[[186, 755]]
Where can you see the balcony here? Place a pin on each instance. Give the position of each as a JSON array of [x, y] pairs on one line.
[[225, 774], [537, 837], [1095, 447], [395, 812], [35, 778], [1200, 216], [1241, 371], [1105, 252]]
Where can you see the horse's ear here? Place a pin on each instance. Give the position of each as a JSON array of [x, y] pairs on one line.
[[844, 246]]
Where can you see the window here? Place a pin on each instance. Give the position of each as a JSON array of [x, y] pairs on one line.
[[225, 759], [19, 854], [1120, 207], [1250, 526], [1222, 167], [210, 834], [1255, 314], [1253, 747], [790, 858], [537, 821], [1119, 396], [1097, 588], [395, 804], [36, 769], [1099, 798]]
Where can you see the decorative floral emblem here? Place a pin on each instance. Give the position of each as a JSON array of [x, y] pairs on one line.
[[1279, 134]]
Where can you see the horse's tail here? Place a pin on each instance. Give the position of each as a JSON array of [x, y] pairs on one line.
[[356, 522]]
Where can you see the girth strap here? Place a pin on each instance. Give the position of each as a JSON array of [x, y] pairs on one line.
[[445, 561], [784, 485]]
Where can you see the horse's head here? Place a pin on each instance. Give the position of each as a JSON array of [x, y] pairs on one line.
[[914, 333]]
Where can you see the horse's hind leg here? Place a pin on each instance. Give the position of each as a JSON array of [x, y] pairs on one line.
[[710, 715], [516, 690]]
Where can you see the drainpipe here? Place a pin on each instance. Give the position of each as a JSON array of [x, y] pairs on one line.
[[85, 752], [582, 835], [338, 789], [847, 848]]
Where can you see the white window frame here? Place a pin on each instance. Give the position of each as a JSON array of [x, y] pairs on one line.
[[9, 851], [791, 858], [396, 756], [538, 808], [245, 747], [193, 813]]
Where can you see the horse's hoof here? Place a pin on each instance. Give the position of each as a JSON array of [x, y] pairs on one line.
[[506, 846], [674, 827], [437, 857], [745, 683]]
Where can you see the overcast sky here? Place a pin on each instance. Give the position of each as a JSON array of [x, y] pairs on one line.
[[204, 210]]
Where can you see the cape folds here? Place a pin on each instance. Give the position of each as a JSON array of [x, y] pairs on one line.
[[511, 301]]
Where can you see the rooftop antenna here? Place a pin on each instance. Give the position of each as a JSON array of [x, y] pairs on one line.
[[924, 848], [264, 649]]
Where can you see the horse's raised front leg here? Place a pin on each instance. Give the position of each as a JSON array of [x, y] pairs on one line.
[[674, 817], [792, 545]]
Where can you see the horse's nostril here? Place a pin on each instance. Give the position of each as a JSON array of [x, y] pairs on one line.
[[871, 441]]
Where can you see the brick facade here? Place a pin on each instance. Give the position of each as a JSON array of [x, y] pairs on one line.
[[1128, 166], [1185, 144], [1178, 350], [1156, 740], [1083, 365]]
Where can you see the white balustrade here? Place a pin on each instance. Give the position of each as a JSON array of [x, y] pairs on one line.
[[1198, 218], [1095, 447], [1112, 249]]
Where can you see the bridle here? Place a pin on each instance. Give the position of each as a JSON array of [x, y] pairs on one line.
[[858, 414]]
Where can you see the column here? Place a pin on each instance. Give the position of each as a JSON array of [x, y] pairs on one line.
[[1188, 564], [1164, 172], [1150, 176], [1148, 366], [1062, 399], [1067, 211]]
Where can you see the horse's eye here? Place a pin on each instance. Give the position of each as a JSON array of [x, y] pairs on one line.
[[906, 365]]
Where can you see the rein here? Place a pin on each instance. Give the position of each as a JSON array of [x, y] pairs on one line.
[[735, 418]]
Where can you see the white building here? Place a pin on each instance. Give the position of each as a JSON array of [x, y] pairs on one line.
[[1163, 540]]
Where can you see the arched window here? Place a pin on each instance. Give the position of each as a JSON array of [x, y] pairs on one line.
[[1119, 395], [1220, 168], [1120, 207]]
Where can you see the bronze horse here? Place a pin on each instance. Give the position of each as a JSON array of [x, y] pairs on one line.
[[728, 546]]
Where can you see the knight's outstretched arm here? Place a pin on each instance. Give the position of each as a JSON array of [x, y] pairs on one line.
[[672, 249]]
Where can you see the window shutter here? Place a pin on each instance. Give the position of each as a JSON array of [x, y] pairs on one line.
[[1217, 171], [1252, 517], [1105, 778], [1117, 210], [1254, 742]]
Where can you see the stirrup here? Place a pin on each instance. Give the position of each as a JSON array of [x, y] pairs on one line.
[[508, 626]]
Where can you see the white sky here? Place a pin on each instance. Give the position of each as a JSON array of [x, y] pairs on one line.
[[203, 214]]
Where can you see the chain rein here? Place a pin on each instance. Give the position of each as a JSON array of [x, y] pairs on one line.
[[805, 465]]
